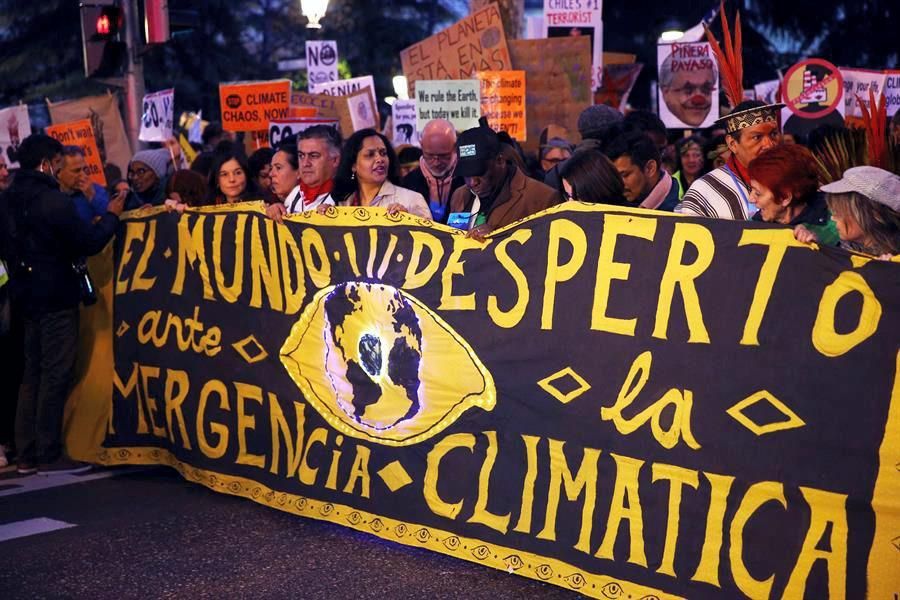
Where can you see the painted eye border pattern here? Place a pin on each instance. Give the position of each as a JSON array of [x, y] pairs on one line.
[[329, 409]]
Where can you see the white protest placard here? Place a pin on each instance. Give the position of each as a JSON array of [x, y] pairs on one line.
[[284, 128], [859, 82], [15, 126], [403, 117], [892, 91], [321, 62], [157, 116], [688, 85], [342, 87], [564, 18], [457, 100]]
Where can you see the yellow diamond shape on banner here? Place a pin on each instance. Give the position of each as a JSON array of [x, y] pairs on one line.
[[123, 327], [395, 476], [792, 421], [548, 384], [247, 345]]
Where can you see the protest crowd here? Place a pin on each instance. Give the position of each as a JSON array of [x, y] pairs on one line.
[[741, 167]]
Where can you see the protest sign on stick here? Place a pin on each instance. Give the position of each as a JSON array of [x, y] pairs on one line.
[[343, 87], [475, 43], [157, 116], [688, 85], [106, 123], [285, 128], [618, 81], [503, 101], [558, 71], [354, 112], [813, 93], [81, 134], [582, 18], [321, 62], [892, 91], [403, 122], [457, 100], [250, 105], [15, 126], [858, 82]]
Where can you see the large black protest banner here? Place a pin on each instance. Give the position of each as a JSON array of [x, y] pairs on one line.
[[624, 403]]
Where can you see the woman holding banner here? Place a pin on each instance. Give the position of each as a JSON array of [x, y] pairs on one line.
[[367, 176], [229, 181], [285, 173]]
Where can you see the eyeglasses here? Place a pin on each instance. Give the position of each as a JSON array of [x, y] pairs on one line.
[[430, 156], [689, 89], [138, 172]]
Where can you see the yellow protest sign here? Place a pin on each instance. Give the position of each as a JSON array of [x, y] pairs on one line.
[[503, 101], [81, 134]]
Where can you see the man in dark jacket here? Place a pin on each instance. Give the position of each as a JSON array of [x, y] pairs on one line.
[[497, 192], [41, 235], [434, 178]]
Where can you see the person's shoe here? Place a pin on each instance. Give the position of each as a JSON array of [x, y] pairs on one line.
[[63, 466], [23, 467]]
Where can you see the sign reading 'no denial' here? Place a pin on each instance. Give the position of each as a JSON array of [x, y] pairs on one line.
[[622, 403]]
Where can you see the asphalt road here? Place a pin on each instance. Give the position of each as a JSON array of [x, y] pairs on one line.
[[147, 533]]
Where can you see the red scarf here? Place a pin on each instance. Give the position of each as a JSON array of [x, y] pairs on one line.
[[311, 193], [738, 169]]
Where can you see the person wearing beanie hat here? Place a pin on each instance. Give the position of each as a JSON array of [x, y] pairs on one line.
[[598, 120], [598, 125], [147, 175]]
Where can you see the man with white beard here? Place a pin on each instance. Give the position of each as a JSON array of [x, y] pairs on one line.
[[434, 177]]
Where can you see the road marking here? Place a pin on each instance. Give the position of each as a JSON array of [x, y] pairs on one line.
[[33, 483], [20, 529]]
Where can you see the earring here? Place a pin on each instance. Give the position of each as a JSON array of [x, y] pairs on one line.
[[353, 176]]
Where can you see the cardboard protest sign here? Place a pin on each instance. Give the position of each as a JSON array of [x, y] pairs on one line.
[[285, 128], [688, 85], [892, 91], [157, 116], [859, 82], [564, 18], [618, 81], [106, 123], [250, 105], [81, 134], [558, 71], [343, 87], [503, 101], [813, 94], [15, 126], [321, 62], [457, 100], [403, 122], [475, 43], [354, 112]]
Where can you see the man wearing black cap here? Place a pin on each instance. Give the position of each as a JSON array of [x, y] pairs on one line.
[[497, 192], [724, 193]]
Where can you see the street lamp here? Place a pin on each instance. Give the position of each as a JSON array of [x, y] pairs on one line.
[[313, 10]]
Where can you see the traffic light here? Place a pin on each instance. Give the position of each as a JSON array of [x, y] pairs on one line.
[[101, 31]]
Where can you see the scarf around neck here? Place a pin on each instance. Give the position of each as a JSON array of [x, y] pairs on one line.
[[438, 188]]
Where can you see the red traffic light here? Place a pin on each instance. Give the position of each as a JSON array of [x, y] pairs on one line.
[[103, 25]]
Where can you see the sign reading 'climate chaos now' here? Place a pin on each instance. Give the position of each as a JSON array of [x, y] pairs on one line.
[[251, 105]]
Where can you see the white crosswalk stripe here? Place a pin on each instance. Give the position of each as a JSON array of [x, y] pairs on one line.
[[20, 529]]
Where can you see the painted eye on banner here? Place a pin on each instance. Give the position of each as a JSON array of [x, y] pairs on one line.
[[378, 365]]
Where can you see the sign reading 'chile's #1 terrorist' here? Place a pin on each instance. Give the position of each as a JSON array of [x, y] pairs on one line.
[[626, 404]]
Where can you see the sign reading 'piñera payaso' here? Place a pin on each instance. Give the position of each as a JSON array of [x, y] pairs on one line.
[[622, 403]]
